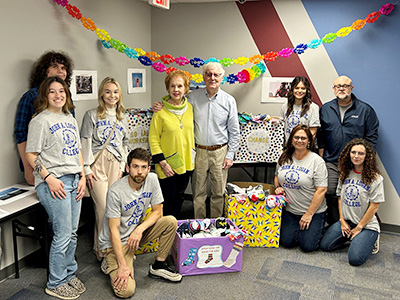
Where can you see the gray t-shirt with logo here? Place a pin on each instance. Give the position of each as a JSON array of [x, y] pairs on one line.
[[55, 137], [310, 118], [99, 130], [356, 197], [299, 180], [129, 205]]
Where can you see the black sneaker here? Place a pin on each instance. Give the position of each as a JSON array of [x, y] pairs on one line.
[[166, 273]]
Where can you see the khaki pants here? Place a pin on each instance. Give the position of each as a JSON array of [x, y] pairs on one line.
[[209, 163], [106, 170], [164, 229]]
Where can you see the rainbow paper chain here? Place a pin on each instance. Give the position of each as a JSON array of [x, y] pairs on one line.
[[159, 62]]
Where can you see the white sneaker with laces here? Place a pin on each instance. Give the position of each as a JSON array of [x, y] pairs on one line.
[[165, 273]]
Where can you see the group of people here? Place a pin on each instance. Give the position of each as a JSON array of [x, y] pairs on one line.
[[62, 161], [191, 136], [334, 196]]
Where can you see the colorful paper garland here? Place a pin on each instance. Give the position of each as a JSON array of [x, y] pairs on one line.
[[150, 58]]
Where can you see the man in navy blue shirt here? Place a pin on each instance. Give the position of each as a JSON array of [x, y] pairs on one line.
[[342, 119]]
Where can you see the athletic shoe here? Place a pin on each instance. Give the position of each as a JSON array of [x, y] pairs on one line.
[[77, 284], [63, 292], [104, 266], [375, 249], [166, 273]]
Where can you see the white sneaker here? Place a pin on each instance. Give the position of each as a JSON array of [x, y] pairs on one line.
[[165, 273], [375, 249]]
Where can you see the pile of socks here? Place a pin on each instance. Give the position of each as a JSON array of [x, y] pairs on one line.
[[255, 194], [207, 228]]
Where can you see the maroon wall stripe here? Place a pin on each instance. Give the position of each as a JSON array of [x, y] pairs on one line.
[[269, 34]]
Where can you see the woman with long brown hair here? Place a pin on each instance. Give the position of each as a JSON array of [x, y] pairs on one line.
[[300, 109], [53, 150], [360, 192], [302, 177]]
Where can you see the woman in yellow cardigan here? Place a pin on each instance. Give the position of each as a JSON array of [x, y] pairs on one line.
[[171, 139]]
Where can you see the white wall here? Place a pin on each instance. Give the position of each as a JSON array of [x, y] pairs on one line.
[[208, 30], [29, 28]]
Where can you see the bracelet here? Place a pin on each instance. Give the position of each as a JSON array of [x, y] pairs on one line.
[[45, 177]]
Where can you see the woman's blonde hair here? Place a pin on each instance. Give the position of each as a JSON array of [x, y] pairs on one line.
[[101, 109], [41, 103]]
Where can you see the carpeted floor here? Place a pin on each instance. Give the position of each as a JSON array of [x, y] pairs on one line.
[[267, 273]]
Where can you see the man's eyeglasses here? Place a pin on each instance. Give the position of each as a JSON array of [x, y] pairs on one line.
[[301, 138], [209, 74], [339, 86]]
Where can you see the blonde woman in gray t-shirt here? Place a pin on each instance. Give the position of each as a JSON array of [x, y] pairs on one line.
[[104, 126], [302, 177], [360, 193], [54, 151]]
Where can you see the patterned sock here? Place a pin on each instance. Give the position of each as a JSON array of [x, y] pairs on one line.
[[231, 260], [190, 259], [210, 258]]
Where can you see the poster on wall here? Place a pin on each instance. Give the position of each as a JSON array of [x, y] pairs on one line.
[[83, 85], [275, 89], [136, 81]]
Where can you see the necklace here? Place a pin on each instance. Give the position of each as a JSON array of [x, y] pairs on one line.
[[180, 120]]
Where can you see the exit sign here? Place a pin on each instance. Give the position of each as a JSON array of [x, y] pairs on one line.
[[160, 3]]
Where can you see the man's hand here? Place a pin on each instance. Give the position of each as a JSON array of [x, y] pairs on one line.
[[121, 280], [227, 163], [157, 106], [134, 239]]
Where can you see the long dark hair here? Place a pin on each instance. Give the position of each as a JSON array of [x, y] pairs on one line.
[[307, 99], [39, 69], [41, 102], [370, 167], [287, 154]]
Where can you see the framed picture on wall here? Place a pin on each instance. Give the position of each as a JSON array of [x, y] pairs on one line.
[[136, 81], [275, 89], [83, 85]]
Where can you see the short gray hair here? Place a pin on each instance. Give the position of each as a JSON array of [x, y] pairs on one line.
[[213, 65]]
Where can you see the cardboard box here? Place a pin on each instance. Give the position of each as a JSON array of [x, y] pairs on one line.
[[261, 224], [196, 256]]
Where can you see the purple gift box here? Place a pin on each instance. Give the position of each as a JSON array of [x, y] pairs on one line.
[[208, 255]]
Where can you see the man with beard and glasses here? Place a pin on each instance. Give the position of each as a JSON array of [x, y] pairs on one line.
[[342, 119], [124, 230]]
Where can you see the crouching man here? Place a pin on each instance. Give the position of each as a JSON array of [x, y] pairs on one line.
[[124, 231]]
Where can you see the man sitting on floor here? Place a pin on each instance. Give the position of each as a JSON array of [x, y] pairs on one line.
[[124, 231]]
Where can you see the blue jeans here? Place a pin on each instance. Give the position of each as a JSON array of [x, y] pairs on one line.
[[64, 216], [291, 235], [360, 247]]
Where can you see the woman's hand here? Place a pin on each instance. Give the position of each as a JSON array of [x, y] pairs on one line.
[[280, 191], [81, 188], [354, 232], [89, 180], [305, 221], [56, 187], [168, 170], [346, 231]]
